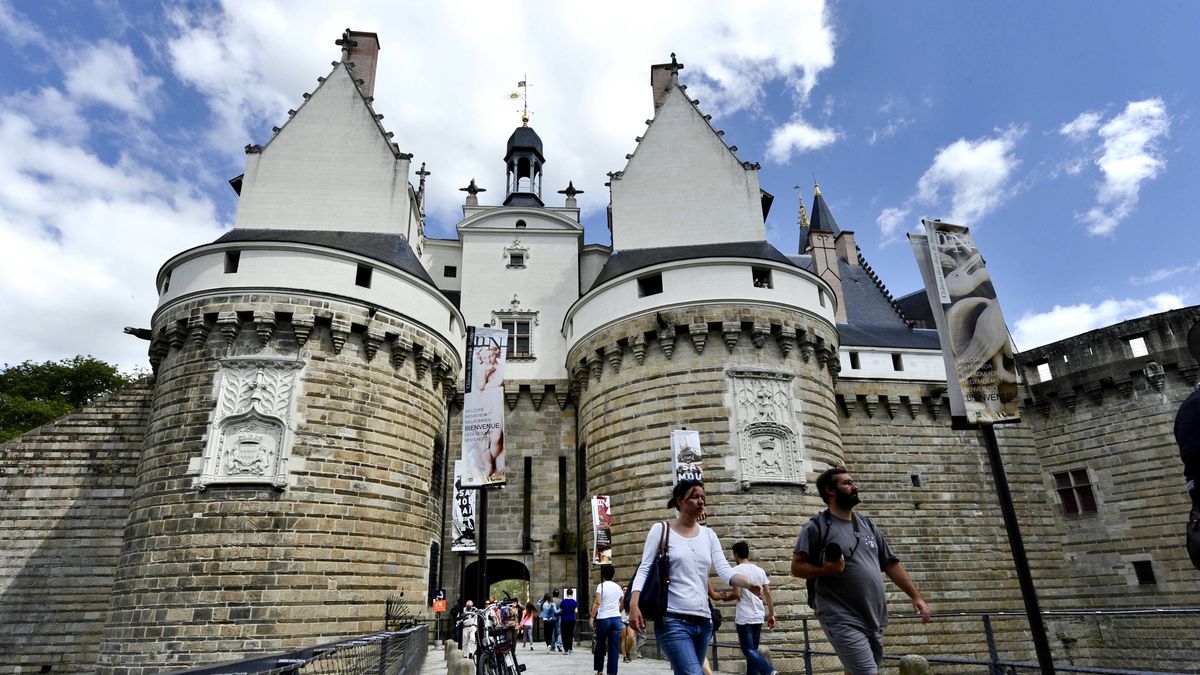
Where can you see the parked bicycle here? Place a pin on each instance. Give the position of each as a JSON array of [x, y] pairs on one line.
[[494, 642]]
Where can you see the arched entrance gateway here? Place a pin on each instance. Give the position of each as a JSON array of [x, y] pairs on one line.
[[499, 571]]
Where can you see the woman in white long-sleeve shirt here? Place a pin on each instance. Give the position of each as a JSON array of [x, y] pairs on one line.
[[693, 550]]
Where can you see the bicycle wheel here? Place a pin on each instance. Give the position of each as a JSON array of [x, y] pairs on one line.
[[486, 664]]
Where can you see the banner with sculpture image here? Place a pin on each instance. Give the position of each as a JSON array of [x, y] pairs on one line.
[[981, 372], [483, 408], [601, 530], [463, 519], [686, 456]]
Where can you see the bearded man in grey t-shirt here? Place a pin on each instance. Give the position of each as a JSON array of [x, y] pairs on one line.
[[844, 554]]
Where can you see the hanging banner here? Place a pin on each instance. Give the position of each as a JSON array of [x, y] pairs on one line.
[[686, 456], [483, 408], [980, 369], [463, 516], [601, 530]]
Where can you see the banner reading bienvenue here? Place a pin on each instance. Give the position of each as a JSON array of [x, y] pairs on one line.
[[601, 530], [464, 514], [686, 456], [980, 368], [483, 408]]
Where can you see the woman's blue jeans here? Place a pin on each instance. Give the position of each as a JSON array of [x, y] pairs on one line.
[[684, 642], [748, 636], [608, 642]]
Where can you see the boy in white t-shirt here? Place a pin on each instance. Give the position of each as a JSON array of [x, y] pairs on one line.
[[750, 610]]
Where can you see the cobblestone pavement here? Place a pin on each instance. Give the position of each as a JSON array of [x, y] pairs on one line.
[[541, 662]]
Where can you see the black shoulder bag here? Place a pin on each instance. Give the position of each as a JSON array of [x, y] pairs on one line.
[[653, 600]]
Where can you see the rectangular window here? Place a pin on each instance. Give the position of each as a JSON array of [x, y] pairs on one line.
[[1137, 345], [449, 271], [897, 362], [166, 283], [363, 276], [854, 364], [1075, 492], [650, 285], [520, 337], [232, 259], [516, 259], [1144, 569], [762, 277], [821, 297], [1043, 371]]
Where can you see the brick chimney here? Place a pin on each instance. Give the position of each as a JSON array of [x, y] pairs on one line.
[[361, 49], [662, 76], [825, 263], [846, 248]]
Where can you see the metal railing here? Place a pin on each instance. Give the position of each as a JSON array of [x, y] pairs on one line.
[[399, 652]]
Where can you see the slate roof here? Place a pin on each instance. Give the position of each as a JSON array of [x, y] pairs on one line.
[[525, 138], [916, 307], [390, 249], [624, 262], [822, 218]]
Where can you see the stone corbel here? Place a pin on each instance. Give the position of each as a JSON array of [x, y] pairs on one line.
[[1044, 406], [913, 405], [847, 405], [561, 396], [175, 335], [787, 340], [595, 366], [1095, 392], [510, 397], [1189, 373], [1069, 401], [421, 360], [198, 330], [264, 326], [401, 348], [372, 341], [666, 341], [302, 325], [699, 334], [869, 404], [613, 354], [339, 330], [637, 345], [935, 405], [807, 347], [229, 326], [892, 404], [1155, 374], [759, 334], [731, 330], [537, 392], [1124, 386]]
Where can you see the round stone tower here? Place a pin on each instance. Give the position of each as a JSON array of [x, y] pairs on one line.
[[734, 341], [290, 479]]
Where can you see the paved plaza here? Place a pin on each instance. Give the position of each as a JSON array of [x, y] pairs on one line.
[[540, 662]]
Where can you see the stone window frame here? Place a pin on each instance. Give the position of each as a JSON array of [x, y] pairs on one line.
[[515, 314], [521, 253], [1075, 494]]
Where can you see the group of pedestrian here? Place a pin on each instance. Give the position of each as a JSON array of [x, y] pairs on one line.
[[844, 554]]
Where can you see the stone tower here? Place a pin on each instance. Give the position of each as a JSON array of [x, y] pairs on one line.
[[696, 322], [303, 362]]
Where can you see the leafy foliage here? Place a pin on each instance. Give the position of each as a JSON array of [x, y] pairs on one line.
[[32, 394]]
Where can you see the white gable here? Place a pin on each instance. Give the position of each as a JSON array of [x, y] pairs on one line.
[[329, 168], [683, 186]]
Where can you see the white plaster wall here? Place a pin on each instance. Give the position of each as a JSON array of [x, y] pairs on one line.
[[683, 186], [438, 254], [311, 269], [591, 261], [329, 168], [547, 284], [875, 363], [697, 282]]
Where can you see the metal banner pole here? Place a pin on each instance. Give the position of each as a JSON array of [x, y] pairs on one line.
[[1041, 643], [481, 519]]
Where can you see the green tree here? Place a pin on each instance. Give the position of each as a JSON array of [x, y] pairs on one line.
[[32, 394]]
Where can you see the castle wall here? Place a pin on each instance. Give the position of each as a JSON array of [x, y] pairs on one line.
[[228, 570], [64, 492]]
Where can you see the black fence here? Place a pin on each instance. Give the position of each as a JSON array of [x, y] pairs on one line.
[[1112, 642], [399, 652]]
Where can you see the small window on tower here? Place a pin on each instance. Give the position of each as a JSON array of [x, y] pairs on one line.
[[166, 283], [649, 285], [762, 277], [897, 362], [232, 259], [1144, 569], [1137, 345], [1043, 371], [449, 271], [854, 363], [516, 259], [363, 276]]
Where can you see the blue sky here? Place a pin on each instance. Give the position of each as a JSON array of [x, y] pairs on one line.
[[1064, 134]]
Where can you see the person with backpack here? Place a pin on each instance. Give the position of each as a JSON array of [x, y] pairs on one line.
[[549, 618], [685, 625], [841, 554]]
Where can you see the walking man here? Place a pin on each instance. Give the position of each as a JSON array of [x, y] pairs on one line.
[[843, 554], [1187, 435], [750, 612]]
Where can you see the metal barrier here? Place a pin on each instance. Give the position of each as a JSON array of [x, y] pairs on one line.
[[388, 653]]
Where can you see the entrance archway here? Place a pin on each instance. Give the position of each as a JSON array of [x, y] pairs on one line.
[[499, 569]]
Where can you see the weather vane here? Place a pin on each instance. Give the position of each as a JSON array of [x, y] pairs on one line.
[[524, 96]]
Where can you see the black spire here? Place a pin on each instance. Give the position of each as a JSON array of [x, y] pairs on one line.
[[822, 219], [524, 160]]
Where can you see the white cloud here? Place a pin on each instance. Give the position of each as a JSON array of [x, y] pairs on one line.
[[797, 136], [1165, 273], [83, 239], [1130, 157], [972, 175], [888, 130], [891, 222], [109, 73], [1035, 329], [1082, 126]]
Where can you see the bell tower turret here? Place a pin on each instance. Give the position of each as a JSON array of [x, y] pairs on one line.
[[524, 160]]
